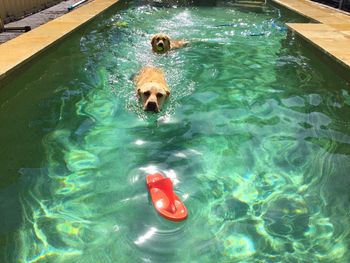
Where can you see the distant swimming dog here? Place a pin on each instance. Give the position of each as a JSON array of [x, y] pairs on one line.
[[152, 88], [161, 43]]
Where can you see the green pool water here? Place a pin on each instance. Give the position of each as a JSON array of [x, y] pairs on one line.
[[255, 136]]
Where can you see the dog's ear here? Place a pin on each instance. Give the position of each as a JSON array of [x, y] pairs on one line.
[[167, 43], [153, 39]]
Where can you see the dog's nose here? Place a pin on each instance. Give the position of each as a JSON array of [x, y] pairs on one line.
[[151, 106], [160, 44]]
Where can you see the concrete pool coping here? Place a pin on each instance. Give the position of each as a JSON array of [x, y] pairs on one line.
[[330, 33], [23, 48]]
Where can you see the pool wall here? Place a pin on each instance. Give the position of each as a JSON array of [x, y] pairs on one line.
[[12, 10]]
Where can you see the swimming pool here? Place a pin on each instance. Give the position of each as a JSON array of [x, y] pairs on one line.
[[255, 136]]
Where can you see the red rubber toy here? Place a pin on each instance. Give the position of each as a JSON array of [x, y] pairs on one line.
[[166, 202]]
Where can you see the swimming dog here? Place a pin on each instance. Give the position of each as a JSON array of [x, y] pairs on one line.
[[152, 88], [161, 43]]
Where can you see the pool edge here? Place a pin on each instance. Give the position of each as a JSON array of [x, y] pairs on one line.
[[331, 32], [25, 47], [22, 49]]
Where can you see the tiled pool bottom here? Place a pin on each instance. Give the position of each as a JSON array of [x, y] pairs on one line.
[[255, 136]]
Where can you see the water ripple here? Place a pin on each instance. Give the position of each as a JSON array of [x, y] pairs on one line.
[[254, 137]]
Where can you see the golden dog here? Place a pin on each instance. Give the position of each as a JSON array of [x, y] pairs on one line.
[[161, 43], [152, 88]]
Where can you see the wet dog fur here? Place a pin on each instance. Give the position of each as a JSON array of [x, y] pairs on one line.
[[152, 88], [162, 43]]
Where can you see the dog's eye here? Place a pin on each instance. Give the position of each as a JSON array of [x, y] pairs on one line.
[[159, 95], [147, 93], [157, 38]]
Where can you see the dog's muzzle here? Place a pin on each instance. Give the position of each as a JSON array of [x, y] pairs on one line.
[[160, 46], [151, 106]]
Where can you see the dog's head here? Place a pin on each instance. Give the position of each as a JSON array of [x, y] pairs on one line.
[[160, 43], [152, 97]]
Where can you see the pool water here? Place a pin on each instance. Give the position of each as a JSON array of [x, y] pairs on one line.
[[255, 136]]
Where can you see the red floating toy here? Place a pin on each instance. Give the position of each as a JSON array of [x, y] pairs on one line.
[[166, 202]]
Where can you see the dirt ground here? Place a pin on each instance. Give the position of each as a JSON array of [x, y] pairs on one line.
[[38, 19]]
